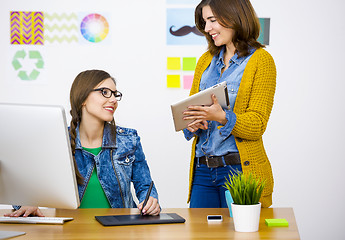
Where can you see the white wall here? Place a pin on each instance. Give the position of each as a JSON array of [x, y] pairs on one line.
[[305, 134], [304, 138]]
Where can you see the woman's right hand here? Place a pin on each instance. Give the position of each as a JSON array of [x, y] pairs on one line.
[[202, 114], [25, 211]]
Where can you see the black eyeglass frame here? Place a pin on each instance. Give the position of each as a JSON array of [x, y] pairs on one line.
[[117, 94]]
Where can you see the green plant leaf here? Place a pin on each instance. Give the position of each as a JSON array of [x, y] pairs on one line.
[[245, 189]]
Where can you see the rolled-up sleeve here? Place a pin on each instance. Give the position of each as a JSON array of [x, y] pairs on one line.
[[226, 130], [189, 135]]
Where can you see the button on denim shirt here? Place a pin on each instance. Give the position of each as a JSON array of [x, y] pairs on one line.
[[118, 164], [217, 140]]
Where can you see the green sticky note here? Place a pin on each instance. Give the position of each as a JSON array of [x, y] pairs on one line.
[[173, 81], [277, 222], [189, 63], [173, 63]]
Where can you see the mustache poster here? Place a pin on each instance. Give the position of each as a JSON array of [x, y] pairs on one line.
[[185, 30], [181, 28]]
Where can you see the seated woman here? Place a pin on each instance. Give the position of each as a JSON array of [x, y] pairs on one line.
[[107, 157]]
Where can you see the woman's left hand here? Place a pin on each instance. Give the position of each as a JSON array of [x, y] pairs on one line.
[[25, 211], [202, 113], [151, 207]]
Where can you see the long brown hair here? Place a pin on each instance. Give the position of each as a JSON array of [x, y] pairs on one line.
[[236, 14], [82, 86]]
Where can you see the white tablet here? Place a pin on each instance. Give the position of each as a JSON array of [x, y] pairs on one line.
[[202, 98]]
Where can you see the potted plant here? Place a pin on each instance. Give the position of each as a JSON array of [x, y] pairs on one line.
[[245, 190]]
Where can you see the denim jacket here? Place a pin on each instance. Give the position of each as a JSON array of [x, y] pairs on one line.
[[118, 164]]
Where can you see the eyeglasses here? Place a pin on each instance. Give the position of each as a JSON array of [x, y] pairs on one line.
[[106, 92]]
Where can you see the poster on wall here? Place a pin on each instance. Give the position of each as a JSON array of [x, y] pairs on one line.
[[25, 60], [264, 37], [31, 33], [26, 28], [94, 28], [27, 64], [180, 28], [61, 28]]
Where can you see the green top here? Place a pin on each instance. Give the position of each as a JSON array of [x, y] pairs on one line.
[[94, 196]]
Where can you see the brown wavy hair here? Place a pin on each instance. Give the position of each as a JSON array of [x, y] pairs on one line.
[[236, 14], [82, 86]]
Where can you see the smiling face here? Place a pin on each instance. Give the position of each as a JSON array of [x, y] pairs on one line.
[[220, 35], [99, 108]]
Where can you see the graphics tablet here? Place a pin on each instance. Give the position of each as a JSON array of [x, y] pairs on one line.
[[138, 219], [201, 98]]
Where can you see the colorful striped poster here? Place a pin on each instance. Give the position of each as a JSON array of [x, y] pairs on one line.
[[27, 28]]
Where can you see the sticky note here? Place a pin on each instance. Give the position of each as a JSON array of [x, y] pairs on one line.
[[277, 222], [189, 63], [173, 63], [173, 81], [187, 81]]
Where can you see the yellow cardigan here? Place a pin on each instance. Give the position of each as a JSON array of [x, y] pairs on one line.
[[253, 107]]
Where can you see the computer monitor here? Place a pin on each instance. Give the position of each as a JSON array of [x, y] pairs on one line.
[[36, 164]]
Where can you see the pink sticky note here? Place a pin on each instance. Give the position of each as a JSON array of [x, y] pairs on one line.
[[187, 81]]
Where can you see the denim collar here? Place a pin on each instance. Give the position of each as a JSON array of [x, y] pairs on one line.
[[107, 141], [237, 60]]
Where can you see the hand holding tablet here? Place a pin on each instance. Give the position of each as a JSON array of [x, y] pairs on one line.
[[202, 98]]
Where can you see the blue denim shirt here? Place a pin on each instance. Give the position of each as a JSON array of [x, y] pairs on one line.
[[118, 164], [217, 140]]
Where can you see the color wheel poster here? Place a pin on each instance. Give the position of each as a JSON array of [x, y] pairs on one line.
[[94, 28]]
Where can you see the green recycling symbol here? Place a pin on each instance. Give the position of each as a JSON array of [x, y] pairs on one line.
[[33, 55]]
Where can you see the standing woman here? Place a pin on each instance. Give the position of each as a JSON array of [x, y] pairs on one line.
[[229, 140], [107, 157]]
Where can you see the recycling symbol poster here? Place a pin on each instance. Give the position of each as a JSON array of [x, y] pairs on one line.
[[28, 64]]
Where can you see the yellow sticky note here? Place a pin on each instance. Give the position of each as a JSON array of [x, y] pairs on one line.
[[173, 81], [173, 63], [189, 63]]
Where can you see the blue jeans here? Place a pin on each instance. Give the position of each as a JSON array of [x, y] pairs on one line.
[[207, 187]]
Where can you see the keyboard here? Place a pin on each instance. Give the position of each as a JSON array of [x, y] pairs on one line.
[[38, 220]]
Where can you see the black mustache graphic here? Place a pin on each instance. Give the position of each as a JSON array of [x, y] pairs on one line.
[[184, 31]]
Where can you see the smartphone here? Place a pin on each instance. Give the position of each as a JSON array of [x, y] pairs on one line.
[[214, 218]]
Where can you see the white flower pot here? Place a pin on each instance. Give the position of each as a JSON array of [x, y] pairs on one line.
[[246, 217]]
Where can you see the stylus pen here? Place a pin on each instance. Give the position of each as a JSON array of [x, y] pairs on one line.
[[147, 197]]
